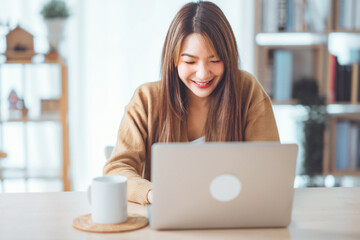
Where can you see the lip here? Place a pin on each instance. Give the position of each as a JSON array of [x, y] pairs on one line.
[[202, 84]]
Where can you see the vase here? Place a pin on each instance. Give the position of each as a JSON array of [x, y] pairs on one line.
[[313, 143], [55, 29]]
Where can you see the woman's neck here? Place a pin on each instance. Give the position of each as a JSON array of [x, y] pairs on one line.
[[197, 112], [197, 103]]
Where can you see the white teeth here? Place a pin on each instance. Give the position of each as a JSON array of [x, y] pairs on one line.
[[202, 84]]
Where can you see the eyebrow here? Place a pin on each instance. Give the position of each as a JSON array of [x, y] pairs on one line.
[[192, 56]]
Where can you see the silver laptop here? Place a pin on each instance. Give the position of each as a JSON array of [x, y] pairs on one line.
[[222, 185]]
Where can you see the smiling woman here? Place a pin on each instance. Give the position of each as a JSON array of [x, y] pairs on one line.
[[202, 94]]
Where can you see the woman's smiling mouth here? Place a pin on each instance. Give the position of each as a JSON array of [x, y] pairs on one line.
[[202, 84]]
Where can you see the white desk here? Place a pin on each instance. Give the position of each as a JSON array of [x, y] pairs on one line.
[[318, 213]]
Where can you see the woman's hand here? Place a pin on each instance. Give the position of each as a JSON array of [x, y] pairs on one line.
[[149, 196]]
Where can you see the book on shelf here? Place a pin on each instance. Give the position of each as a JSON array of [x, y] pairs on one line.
[[294, 15], [345, 14], [357, 15], [332, 77], [349, 11], [342, 79], [357, 78], [298, 16], [282, 14], [269, 13], [347, 83], [283, 75], [270, 75], [290, 12], [353, 146], [347, 145], [342, 143], [358, 151]]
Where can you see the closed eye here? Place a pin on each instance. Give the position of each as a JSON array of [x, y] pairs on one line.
[[189, 62], [216, 61]]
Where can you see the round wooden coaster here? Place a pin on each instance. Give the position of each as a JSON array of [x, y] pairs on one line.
[[134, 222]]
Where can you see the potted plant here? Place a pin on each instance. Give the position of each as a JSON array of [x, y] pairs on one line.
[[306, 92], [55, 12]]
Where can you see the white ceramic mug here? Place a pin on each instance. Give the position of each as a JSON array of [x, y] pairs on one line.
[[108, 199]]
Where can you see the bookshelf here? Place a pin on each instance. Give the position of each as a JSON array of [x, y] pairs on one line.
[[297, 39], [49, 128]]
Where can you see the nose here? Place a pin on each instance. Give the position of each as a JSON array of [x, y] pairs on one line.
[[203, 72]]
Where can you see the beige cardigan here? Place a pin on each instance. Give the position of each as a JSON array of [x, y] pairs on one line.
[[132, 153]]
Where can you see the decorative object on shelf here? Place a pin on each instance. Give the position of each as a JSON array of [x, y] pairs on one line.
[[55, 12], [24, 109], [17, 108], [20, 44], [3, 155], [13, 100], [52, 55], [306, 92], [50, 106]]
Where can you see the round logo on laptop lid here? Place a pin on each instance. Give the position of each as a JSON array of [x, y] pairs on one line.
[[225, 187]]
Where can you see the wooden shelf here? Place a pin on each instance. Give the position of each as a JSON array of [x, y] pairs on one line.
[[23, 173], [41, 119], [291, 39], [37, 59], [338, 173], [292, 102], [346, 31], [61, 118]]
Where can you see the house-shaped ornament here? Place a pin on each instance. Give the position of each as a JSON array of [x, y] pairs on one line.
[[13, 101], [19, 44], [17, 107]]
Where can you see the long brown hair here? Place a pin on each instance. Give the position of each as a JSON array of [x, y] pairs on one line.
[[223, 120]]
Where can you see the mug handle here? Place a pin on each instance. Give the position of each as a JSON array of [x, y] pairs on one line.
[[89, 194]]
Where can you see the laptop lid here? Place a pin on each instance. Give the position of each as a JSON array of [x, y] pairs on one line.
[[222, 185]]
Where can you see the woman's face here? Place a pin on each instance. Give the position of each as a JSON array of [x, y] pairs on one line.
[[199, 68]]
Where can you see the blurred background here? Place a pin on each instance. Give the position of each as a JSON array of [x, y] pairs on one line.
[[69, 68]]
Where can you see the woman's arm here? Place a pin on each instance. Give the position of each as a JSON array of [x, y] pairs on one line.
[[129, 155], [260, 122]]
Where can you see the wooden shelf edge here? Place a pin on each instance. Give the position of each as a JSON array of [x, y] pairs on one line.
[[337, 173], [345, 31], [37, 59], [42, 119]]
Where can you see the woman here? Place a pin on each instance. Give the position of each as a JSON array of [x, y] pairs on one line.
[[202, 96]]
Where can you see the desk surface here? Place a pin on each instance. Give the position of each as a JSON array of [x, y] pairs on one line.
[[318, 213]]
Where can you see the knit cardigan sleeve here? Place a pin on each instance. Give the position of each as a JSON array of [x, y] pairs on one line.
[[129, 155], [258, 121]]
